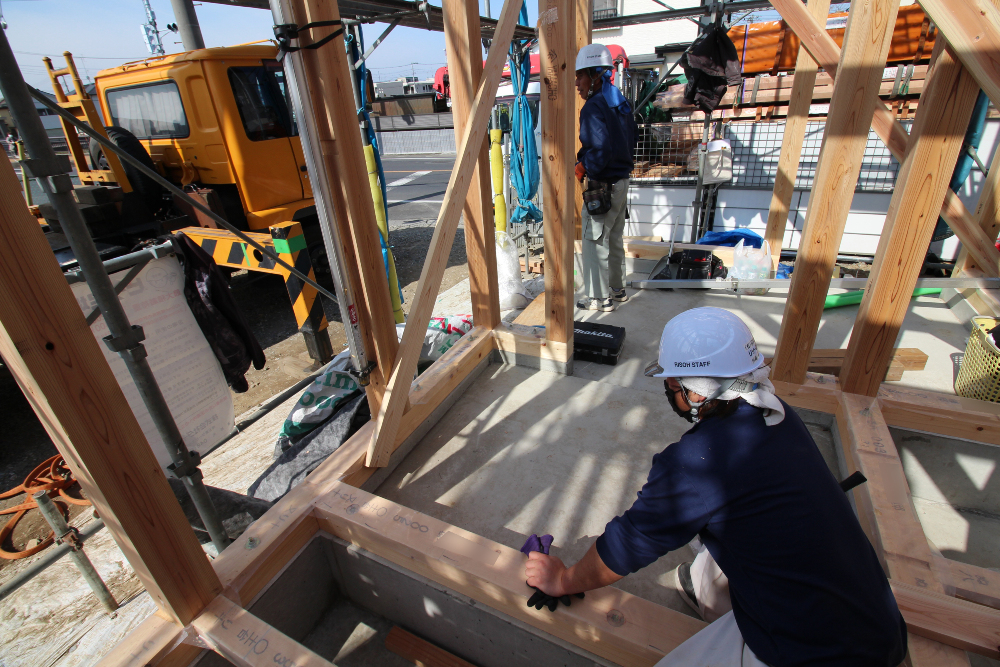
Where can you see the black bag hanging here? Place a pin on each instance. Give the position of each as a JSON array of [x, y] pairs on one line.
[[597, 197]]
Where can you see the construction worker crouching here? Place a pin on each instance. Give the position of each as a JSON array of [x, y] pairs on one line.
[[782, 564], [606, 158]]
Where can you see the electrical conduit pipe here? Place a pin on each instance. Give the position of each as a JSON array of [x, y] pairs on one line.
[[383, 228]]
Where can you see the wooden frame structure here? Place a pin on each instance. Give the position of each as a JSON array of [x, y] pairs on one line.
[[949, 607]]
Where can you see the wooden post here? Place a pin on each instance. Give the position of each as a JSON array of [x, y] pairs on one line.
[[340, 142], [987, 215], [972, 28], [50, 350], [557, 53], [855, 94], [584, 36], [394, 402], [945, 109], [826, 52], [465, 69], [791, 142]]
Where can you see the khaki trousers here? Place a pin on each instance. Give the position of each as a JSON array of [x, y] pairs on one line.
[[603, 248]]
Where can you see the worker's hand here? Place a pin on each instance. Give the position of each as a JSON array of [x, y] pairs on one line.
[[580, 171], [545, 573]]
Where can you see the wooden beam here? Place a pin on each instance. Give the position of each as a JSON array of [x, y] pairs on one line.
[[792, 140], [825, 51], [465, 69], [963, 625], [157, 641], [391, 410], [973, 583], [558, 121], [420, 651], [943, 414], [53, 355], [935, 141], [987, 217], [639, 632], [972, 28], [340, 141], [923, 652], [862, 61], [246, 641], [584, 36]]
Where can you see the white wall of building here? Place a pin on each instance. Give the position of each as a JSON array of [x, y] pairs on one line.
[[643, 39]]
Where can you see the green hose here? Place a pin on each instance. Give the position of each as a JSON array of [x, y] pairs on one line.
[[854, 298]]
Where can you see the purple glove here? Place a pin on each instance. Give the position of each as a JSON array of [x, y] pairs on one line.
[[536, 543]]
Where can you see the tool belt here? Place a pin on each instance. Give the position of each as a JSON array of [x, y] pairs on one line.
[[597, 197]]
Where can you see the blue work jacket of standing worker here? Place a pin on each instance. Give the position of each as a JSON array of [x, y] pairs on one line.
[[607, 139], [805, 583]]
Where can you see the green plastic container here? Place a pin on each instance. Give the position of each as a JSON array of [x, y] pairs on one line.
[[854, 298]]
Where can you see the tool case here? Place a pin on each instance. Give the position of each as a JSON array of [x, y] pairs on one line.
[[600, 343]]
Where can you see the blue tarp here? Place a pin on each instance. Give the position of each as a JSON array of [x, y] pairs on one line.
[[524, 156], [732, 237]]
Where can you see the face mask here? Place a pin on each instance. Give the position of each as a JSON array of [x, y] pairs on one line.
[[672, 399]]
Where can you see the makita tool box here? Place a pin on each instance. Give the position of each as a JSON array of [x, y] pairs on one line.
[[600, 343]]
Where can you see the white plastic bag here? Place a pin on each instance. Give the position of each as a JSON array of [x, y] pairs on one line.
[[751, 264], [512, 292], [442, 333]]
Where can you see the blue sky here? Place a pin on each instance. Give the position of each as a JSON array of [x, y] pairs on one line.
[[105, 33]]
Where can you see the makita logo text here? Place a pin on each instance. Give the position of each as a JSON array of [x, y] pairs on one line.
[[593, 333]]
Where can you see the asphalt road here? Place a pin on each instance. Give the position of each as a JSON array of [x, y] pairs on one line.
[[422, 182]]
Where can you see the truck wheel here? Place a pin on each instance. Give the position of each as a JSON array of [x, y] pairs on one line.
[[149, 190]]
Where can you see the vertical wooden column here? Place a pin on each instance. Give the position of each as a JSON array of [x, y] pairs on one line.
[[584, 36], [987, 216], [465, 68], [332, 98], [49, 348], [791, 142], [945, 109], [855, 94], [557, 50]]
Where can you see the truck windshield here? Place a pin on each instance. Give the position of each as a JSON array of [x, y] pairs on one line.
[[151, 111], [262, 98]]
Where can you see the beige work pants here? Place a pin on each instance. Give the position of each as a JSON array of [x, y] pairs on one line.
[[603, 245]]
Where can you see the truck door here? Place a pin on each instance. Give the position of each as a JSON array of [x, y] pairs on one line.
[[258, 132]]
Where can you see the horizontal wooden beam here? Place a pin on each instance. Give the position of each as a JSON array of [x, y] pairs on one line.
[[246, 641], [972, 28], [964, 625], [611, 623], [973, 583]]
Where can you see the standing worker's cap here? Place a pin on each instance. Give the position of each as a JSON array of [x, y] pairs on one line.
[[706, 342], [593, 55]]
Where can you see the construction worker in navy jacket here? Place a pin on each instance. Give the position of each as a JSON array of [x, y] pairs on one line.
[[782, 563], [606, 158]]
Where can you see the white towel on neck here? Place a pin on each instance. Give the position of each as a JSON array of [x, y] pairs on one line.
[[762, 395]]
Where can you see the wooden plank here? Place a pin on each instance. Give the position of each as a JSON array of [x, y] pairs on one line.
[[792, 141], [154, 642], [519, 339], [557, 120], [639, 632], [534, 314], [987, 215], [825, 51], [830, 361], [964, 625], [421, 652], [340, 142], [391, 410], [942, 414], [584, 35], [866, 45], [818, 392], [465, 69], [897, 534], [246, 641], [923, 652], [935, 141], [973, 583], [50, 350], [972, 28]]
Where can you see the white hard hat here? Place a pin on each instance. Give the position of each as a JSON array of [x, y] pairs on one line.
[[706, 342], [593, 55]]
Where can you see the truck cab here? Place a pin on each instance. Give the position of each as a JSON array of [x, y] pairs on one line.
[[218, 118]]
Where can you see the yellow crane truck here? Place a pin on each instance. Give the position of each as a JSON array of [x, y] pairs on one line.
[[217, 121]]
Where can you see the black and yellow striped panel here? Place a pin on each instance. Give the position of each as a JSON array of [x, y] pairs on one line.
[[290, 244], [228, 250]]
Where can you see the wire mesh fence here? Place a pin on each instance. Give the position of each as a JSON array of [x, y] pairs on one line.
[[667, 154]]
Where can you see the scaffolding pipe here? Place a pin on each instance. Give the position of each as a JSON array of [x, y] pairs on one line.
[[187, 24], [25, 179], [733, 284], [51, 556], [66, 536], [126, 339]]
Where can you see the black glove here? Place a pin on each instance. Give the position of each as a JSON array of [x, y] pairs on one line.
[[540, 599]]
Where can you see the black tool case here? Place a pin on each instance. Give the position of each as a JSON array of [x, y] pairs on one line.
[[600, 343]]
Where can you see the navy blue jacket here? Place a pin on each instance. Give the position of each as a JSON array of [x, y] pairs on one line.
[[805, 583], [608, 140]]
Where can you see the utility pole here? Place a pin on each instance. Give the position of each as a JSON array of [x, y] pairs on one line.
[[150, 32], [187, 24]]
